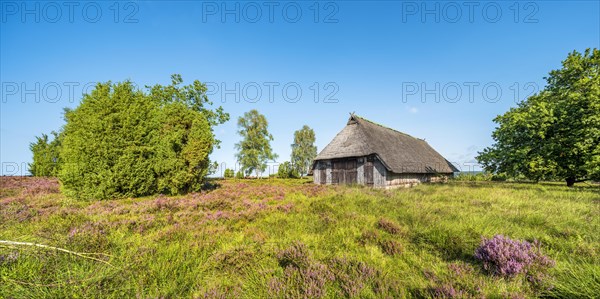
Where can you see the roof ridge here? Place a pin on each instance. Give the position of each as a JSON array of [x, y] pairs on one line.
[[385, 127]]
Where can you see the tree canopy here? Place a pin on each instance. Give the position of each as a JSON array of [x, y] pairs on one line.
[[303, 149], [123, 142], [46, 160], [254, 150], [554, 134]]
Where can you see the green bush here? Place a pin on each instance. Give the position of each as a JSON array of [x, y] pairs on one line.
[[239, 175], [286, 171], [46, 160], [473, 176], [229, 173], [122, 142]]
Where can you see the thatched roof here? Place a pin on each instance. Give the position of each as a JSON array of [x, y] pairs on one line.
[[399, 152]]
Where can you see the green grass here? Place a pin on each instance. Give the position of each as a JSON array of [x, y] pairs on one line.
[[227, 242]]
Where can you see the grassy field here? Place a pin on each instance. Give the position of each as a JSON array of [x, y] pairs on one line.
[[290, 238]]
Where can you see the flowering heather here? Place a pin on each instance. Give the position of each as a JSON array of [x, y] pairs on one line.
[[505, 257], [447, 291], [460, 269], [302, 277], [391, 247], [232, 201], [351, 275], [234, 259], [286, 208], [368, 236], [91, 236], [389, 226], [221, 293], [297, 255], [164, 203], [7, 259], [27, 186], [307, 282]]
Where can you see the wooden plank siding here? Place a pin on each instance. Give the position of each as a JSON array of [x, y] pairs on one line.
[[379, 174], [368, 170], [410, 179], [344, 171]]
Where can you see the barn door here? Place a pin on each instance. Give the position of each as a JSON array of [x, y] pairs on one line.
[[322, 175], [351, 173], [369, 172], [338, 171], [344, 172]]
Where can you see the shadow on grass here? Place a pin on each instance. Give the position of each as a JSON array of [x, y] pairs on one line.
[[211, 184]]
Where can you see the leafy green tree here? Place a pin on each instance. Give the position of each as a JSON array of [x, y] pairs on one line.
[[229, 173], [192, 96], [46, 159], [254, 150], [303, 150], [556, 133], [122, 142]]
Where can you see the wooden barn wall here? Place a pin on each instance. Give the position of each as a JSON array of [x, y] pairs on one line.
[[381, 177], [326, 165], [379, 174], [408, 179], [316, 174], [360, 169], [328, 170]]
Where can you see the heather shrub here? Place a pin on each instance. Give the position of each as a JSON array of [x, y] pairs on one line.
[[41, 186], [389, 226], [351, 275], [163, 203], [90, 236], [16, 210], [297, 255], [462, 282], [9, 258], [221, 293], [505, 257], [302, 276], [307, 282], [387, 286], [235, 259], [368, 236], [447, 291], [391, 247]]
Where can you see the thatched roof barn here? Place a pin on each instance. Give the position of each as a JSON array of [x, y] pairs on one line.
[[371, 154]]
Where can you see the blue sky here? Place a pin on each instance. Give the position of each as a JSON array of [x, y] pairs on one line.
[[436, 70]]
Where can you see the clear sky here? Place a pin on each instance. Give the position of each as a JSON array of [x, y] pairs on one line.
[[436, 70]]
